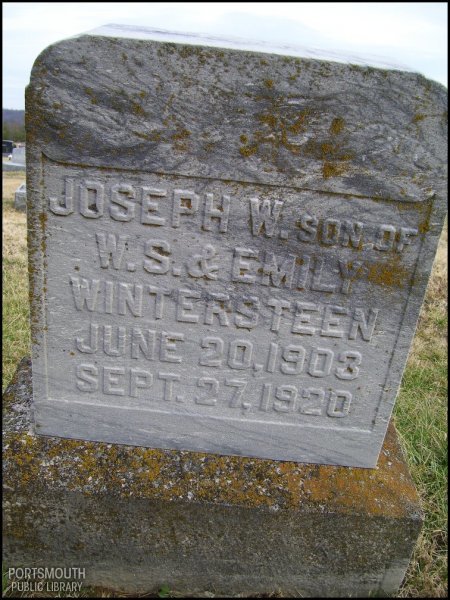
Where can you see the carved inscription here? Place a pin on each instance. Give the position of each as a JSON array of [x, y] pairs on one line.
[[226, 256], [167, 207], [226, 300], [191, 306]]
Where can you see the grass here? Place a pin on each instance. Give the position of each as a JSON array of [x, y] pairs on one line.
[[421, 417], [420, 412]]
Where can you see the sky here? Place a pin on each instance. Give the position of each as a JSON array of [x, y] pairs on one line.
[[410, 35]]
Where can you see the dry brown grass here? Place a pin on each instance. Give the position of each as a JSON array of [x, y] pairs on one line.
[[14, 221], [421, 419], [15, 339], [11, 181], [432, 321]]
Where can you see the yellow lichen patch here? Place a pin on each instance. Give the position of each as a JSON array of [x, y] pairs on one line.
[[181, 134], [390, 274], [137, 109], [209, 146], [139, 472], [386, 490], [363, 491], [248, 150], [231, 480], [332, 170], [195, 51], [327, 149], [318, 488], [179, 138], [144, 136], [418, 117], [268, 119], [337, 126], [149, 462], [276, 127], [90, 92], [299, 123], [22, 452], [424, 225], [292, 479], [155, 135]]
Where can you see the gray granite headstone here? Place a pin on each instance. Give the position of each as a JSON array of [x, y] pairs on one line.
[[16, 161], [18, 155], [20, 197], [228, 248]]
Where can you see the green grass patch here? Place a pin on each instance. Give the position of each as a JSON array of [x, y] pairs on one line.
[[421, 419]]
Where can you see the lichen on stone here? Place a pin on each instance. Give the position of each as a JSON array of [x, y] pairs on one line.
[[34, 464]]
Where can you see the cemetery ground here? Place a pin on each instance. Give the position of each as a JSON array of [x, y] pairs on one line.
[[420, 413]]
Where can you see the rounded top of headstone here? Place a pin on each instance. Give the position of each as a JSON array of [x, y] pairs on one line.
[[121, 94]]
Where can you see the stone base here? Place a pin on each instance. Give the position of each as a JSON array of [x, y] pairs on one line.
[[137, 518]]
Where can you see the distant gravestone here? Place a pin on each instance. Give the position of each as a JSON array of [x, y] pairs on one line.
[[16, 160], [18, 155], [20, 197], [229, 249]]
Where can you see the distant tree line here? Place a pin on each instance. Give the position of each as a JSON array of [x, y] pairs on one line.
[[13, 125], [13, 132]]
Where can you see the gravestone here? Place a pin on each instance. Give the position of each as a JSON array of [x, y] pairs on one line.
[[20, 197], [229, 249], [16, 160], [228, 252], [18, 155]]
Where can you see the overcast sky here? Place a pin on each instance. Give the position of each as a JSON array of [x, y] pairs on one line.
[[412, 35]]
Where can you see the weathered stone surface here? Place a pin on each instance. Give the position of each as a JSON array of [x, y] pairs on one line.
[[228, 249], [138, 518]]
